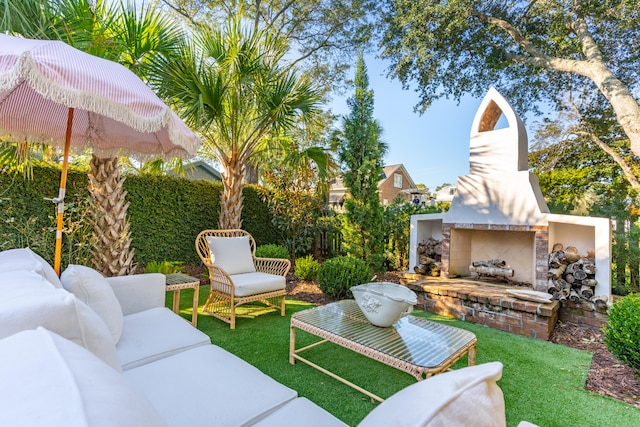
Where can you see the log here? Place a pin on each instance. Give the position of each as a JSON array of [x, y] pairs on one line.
[[420, 269], [557, 247], [590, 282], [573, 296], [586, 292], [573, 267], [600, 301], [571, 253], [556, 273], [424, 259], [589, 268], [569, 278], [491, 271], [579, 274]]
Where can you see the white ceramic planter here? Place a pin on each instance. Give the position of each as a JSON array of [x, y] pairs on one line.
[[384, 303]]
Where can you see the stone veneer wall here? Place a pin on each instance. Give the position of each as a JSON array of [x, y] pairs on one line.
[[488, 305]]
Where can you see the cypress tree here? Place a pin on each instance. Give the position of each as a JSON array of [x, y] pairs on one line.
[[361, 155]]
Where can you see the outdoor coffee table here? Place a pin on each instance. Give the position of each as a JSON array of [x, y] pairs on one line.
[[176, 282], [414, 345]]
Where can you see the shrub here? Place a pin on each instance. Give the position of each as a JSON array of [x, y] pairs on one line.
[[622, 332], [307, 268], [164, 267], [337, 276], [272, 251]]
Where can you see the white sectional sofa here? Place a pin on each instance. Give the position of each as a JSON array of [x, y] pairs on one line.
[[83, 350]]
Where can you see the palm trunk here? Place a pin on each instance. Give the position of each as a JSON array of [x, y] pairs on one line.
[[231, 198], [112, 254]]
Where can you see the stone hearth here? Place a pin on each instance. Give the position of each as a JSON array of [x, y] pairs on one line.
[[484, 304]]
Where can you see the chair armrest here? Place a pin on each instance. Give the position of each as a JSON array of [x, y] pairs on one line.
[[139, 292], [278, 266]]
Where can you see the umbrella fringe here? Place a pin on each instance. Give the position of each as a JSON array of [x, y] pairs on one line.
[[26, 68]]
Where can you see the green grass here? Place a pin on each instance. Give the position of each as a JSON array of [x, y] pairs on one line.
[[542, 382]]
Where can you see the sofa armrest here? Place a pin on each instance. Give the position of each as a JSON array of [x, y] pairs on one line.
[[139, 292]]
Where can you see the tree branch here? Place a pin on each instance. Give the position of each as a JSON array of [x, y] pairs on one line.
[[626, 169]]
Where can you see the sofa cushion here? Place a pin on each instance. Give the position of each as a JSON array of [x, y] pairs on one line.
[[300, 409], [29, 304], [23, 281], [90, 287], [232, 254], [464, 397], [26, 259], [223, 390], [257, 283], [156, 333], [50, 381]]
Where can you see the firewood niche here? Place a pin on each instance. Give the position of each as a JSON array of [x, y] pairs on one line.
[[572, 276], [429, 258]]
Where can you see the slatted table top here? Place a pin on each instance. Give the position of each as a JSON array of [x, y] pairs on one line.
[[413, 344]]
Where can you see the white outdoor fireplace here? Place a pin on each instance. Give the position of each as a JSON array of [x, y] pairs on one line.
[[499, 212]]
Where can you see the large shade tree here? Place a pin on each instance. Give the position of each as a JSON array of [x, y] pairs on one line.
[[530, 50], [122, 32], [234, 85]]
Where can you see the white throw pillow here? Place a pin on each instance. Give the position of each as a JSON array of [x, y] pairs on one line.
[[28, 305], [27, 260], [463, 397], [90, 287], [50, 381], [232, 254]]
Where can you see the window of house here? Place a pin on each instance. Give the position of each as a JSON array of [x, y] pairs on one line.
[[397, 180]]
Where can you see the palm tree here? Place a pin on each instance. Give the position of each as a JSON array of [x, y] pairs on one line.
[[122, 33], [233, 85]]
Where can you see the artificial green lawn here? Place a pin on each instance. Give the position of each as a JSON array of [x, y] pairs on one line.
[[542, 382]]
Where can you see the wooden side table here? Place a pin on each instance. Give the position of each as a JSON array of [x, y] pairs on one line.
[[176, 282]]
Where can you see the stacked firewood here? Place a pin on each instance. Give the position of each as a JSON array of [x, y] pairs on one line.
[[429, 258], [573, 276]]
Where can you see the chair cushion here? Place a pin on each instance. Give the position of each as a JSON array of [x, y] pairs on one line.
[[90, 287], [154, 334], [232, 254], [209, 386], [50, 381], [29, 304], [257, 283], [464, 397], [26, 259]]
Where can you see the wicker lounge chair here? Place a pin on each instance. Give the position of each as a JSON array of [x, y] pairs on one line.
[[237, 276]]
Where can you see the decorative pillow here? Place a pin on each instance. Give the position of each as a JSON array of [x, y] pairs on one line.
[[90, 287], [26, 259], [28, 306], [464, 397], [50, 381], [232, 254]]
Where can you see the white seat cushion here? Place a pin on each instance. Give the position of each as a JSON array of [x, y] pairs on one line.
[[156, 333], [464, 397], [90, 287], [209, 386], [299, 409], [232, 254], [49, 381], [26, 259], [29, 304], [256, 283]]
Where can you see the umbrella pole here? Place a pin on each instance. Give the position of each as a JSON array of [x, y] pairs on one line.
[[60, 200]]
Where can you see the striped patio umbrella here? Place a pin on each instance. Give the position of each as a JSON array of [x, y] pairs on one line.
[[55, 94]]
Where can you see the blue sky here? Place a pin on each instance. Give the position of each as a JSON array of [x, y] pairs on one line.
[[434, 146]]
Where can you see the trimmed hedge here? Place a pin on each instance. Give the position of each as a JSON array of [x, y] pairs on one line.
[[166, 213]]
